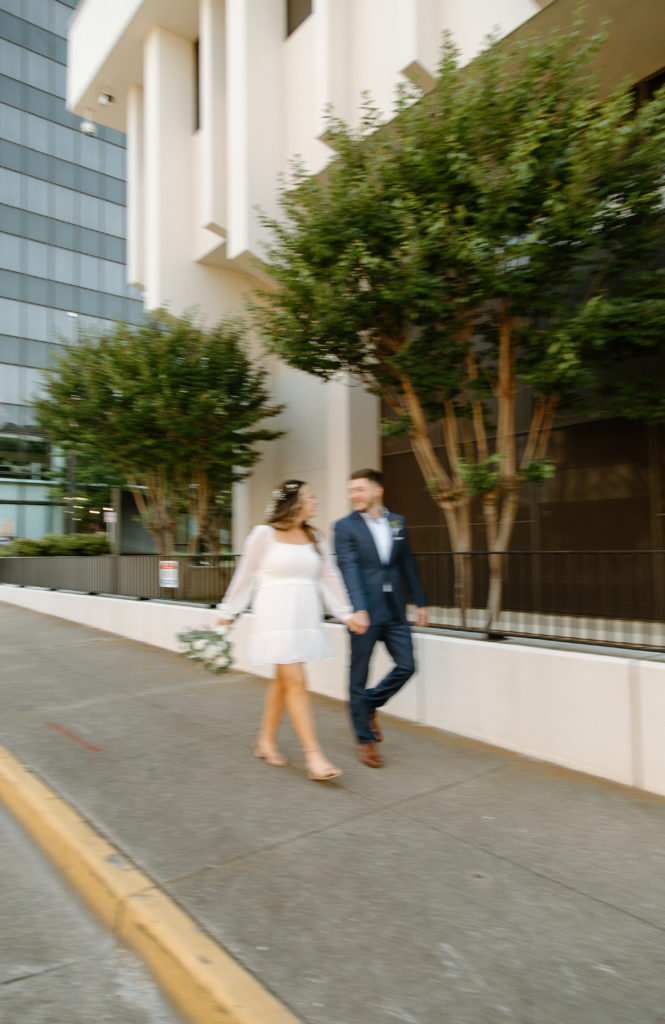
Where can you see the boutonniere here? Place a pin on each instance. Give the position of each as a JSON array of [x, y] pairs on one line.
[[396, 528]]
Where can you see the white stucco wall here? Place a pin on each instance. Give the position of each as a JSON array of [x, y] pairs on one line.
[[593, 713]]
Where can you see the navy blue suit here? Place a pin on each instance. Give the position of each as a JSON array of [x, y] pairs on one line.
[[381, 590]]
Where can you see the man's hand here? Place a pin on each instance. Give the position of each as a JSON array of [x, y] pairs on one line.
[[358, 623], [422, 617]]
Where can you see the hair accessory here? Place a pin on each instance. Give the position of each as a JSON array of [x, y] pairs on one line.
[[278, 495], [275, 498]]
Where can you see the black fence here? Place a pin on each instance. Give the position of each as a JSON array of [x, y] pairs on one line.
[[199, 579], [586, 584], [545, 593]]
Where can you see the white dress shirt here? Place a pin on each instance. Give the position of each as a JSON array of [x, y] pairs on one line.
[[383, 537]]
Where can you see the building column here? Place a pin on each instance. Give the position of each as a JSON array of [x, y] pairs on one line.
[[135, 187], [168, 72], [212, 108], [254, 117], [333, 49]]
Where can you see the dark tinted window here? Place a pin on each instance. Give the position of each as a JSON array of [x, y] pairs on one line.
[[296, 12], [646, 89]]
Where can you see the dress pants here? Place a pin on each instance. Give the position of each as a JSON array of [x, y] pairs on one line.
[[396, 635]]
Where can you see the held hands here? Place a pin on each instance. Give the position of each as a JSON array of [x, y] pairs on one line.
[[358, 623]]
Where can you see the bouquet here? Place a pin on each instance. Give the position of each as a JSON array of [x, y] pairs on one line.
[[211, 647]]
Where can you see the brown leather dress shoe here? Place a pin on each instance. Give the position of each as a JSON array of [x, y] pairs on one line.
[[375, 727], [369, 755]]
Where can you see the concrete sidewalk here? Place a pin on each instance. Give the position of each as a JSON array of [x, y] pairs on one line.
[[458, 885]]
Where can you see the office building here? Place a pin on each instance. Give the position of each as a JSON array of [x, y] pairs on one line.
[[62, 244]]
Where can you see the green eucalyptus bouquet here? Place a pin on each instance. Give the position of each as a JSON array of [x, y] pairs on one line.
[[209, 647]]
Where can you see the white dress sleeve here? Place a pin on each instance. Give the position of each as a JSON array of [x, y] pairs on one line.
[[333, 591], [240, 589]]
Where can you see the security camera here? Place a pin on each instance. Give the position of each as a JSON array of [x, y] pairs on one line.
[[105, 98], [88, 127]]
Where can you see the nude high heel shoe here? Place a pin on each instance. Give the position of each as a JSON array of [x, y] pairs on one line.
[[277, 760], [326, 776]]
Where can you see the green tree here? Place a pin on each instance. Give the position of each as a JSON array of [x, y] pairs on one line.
[[503, 232], [174, 410]]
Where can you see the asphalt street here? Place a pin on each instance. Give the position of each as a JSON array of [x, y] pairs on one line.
[[57, 964]]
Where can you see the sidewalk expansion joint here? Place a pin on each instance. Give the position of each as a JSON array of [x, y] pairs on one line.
[[204, 982], [540, 874], [444, 786], [362, 815], [29, 975]]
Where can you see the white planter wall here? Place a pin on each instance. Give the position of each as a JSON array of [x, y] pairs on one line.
[[593, 713]]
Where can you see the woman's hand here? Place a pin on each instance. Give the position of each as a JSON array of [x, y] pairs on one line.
[[223, 622]]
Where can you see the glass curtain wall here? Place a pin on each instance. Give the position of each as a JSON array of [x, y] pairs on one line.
[[62, 244]]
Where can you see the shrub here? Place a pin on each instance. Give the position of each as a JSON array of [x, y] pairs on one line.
[[58, 544], [88, 544], [54, 544], [24, 546]]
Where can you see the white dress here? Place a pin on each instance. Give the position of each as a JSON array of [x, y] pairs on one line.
[[289, 583]]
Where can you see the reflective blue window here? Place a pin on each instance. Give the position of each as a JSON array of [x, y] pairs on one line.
[[10, 252]]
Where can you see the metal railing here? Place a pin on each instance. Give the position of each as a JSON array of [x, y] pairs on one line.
[[615, 597], [201, 579], [606, 596], [596, 584]]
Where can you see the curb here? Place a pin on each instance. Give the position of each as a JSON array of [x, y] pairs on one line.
[[202, 980]]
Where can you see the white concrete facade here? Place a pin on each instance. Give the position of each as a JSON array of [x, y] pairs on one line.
[[593, 713], [195, 181]]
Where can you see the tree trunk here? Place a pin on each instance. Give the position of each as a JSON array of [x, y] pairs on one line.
[[497, 559], [451, 499], [154, 514], [212, 535], [192, 543], [459, 530], [198, 506], [500, 506], [169, 540], [459, 524]]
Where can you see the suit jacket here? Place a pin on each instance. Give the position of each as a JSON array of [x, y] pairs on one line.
[[365, 575]]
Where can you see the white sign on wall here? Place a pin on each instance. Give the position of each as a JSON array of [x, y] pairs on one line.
[[168, 574]]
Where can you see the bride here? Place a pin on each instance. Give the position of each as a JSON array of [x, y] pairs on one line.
[[287, 568]]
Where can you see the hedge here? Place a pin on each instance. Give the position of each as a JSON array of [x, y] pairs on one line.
[[58, 544]]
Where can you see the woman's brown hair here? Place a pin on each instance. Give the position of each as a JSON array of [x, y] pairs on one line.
[[284, 506]]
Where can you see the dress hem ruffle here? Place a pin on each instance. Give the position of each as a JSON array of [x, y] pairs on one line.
[[282, 647]]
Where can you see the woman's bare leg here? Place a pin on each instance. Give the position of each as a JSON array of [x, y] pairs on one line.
[[299, 707], [273, 709]]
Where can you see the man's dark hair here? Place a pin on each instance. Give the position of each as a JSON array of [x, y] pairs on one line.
[[372, 475]]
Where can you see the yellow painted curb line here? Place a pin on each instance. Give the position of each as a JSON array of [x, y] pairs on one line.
[[203, 981]]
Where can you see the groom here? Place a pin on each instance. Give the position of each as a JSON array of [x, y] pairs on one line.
[[375, 560]]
